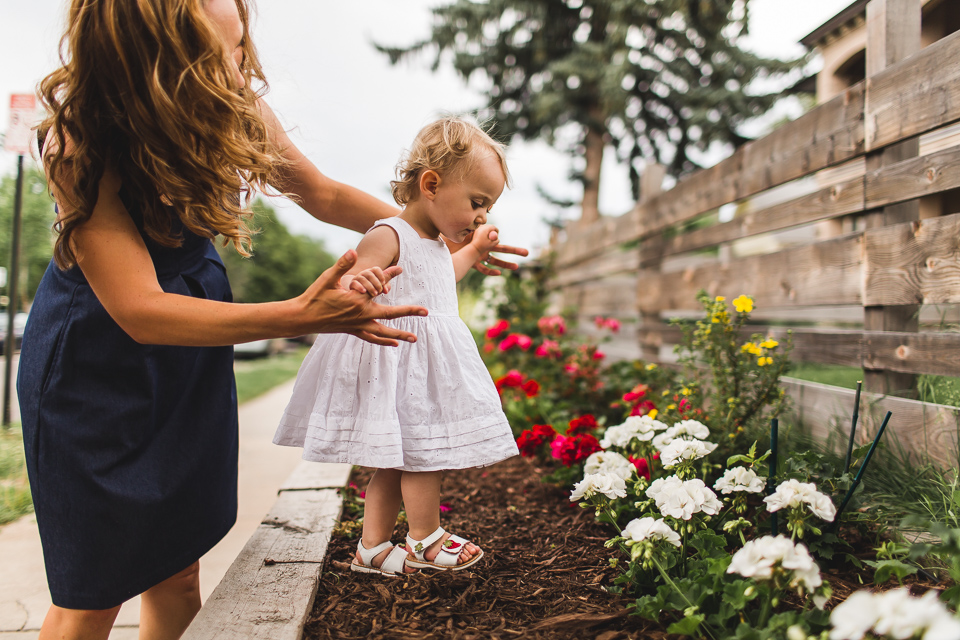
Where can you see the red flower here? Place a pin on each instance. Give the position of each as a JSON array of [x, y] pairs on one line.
[[683, 406], [573, 449], [524, 342], [548, 349], [583, 424], [513, 379], [531, 439], [599, 355], [607, 323], [509, 342], [641, 465], [636, 393], [573, 368], [488, 348], [531, 388], [642, 408], [497, 329]]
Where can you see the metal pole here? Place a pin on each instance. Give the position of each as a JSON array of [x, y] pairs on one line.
[[10, 340]]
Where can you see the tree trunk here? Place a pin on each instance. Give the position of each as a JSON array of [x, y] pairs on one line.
[[590, 207]]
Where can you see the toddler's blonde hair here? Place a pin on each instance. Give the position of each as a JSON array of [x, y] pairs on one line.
[[449, 146]]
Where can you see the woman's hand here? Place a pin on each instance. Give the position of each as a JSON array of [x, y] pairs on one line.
[[327, 307]]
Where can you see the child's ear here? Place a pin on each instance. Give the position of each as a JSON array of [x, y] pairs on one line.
[[429, 183]]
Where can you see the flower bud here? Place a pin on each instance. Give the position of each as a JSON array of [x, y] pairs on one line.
[[796, 632], [749, 591]]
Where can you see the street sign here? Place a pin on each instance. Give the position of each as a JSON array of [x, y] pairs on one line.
[[23, 116]]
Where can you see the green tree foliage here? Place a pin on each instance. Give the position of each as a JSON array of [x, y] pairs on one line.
[[36, 236], [657, 79], [283, 264]]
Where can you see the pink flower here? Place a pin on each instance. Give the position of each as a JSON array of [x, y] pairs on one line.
[[524, 342], [573, 368], [599, 355], [495, 330], [636, 393], [552, 325], [444, 507], [509, 342], [548, 349], [613, 324]]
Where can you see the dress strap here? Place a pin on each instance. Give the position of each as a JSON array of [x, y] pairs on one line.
[[407, 235]]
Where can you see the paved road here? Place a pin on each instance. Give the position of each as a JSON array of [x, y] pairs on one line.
[[24, 599]]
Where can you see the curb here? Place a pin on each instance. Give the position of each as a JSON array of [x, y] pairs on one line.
[[269, 589]]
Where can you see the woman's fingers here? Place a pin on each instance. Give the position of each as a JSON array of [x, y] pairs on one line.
[[378, 333], [330, 279], [388, 312], [503, 264], [505, 248]]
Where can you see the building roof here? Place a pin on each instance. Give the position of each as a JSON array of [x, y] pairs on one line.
[[856, 9]]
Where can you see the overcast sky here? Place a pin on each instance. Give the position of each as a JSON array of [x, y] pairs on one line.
[[353, 114]]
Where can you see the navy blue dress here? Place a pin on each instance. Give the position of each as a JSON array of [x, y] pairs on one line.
[[131, 449]]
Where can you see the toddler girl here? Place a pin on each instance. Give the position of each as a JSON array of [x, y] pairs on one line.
[[418, 409]]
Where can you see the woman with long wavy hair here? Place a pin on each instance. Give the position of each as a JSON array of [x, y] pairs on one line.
[[156, 139]]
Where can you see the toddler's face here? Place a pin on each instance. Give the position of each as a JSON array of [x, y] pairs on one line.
[[462, 205]]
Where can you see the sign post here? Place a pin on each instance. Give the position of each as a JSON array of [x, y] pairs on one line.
[[23, 109]]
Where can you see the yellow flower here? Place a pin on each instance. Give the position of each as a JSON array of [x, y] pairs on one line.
[[770, 343], [651, 367], [671, 407], [653, 414], [748, 347], [764, 361], [720, 298], [665, 393], [743, 304], [685, 391]]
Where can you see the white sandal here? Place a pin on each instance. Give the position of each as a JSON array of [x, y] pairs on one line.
[[392, 566], [446, 559]]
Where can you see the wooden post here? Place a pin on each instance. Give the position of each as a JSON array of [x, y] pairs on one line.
[[893, 33], [651, 185]]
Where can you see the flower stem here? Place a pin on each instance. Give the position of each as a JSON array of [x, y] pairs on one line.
[[673, 585]]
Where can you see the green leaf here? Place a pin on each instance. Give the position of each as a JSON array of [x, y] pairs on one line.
[[887, 568], [688, 626]]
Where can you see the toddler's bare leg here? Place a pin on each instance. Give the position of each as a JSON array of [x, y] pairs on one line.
[[381, 508], [421, 498]]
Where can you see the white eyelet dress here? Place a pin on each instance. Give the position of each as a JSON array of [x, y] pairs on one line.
[[425, 406]]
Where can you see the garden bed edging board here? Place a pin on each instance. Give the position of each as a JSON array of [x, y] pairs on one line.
[[269, 589]]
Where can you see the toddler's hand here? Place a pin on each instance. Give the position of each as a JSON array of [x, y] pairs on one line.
[[371, 281], [482, 240]]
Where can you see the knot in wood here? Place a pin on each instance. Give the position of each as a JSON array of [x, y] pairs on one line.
[[835, 192], [903, 352], [931, 263], [931, 174]]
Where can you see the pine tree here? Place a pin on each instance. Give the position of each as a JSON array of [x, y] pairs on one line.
[[657, 79]]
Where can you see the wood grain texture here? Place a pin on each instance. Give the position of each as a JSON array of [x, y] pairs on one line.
[[915, 95], [269, 590], [927, 430], [609, 262], [317, 475], [913, 178], [614, 296], [913, 263], [823, 273], [907, 352]]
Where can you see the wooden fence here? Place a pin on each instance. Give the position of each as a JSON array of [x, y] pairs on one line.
[[829, 237]]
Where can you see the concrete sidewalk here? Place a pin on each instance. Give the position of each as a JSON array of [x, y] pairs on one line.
[[24, 598]]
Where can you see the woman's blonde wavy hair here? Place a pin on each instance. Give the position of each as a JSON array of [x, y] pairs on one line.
[[448, 146], [145, 89]]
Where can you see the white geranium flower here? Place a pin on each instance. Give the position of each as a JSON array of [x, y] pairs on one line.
[[793, 493], [682, 449], [894, 614], [681, 499], [690, 429], [608, 462], [650, 529], [759, 558], [740, 479], [609, 484], [641, 428]]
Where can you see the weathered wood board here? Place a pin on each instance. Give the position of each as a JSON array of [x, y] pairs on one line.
[[317, 475], [269, 590]]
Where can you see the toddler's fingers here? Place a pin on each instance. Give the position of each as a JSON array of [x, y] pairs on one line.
[[371, 287]]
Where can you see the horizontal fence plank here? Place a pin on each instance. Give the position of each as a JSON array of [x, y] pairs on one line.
[[913, 263], [827, 203], [926, 353], [822, 273], [913, 178], [614, 296], [914, 96], [927, 430], [611, 262]]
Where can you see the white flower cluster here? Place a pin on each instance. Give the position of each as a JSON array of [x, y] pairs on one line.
[[641, 428], [608, 462], [740, 479], [759, 558], [682, 498], [689, 428], [682, 449], [794, 493], [609, 484], [640, 529], [894, 614]]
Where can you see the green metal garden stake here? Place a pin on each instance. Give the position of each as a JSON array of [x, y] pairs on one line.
[[774, 436], [853, 428], [863, 467]]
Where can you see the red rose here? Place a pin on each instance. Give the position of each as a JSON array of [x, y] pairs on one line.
[[573, 449], [531, 388], [509, 342], [524, 342], [497, 329], [513, 379], [583, 424], [532, 439]]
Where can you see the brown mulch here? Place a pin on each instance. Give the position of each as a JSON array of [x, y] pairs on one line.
[[542, 576]]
